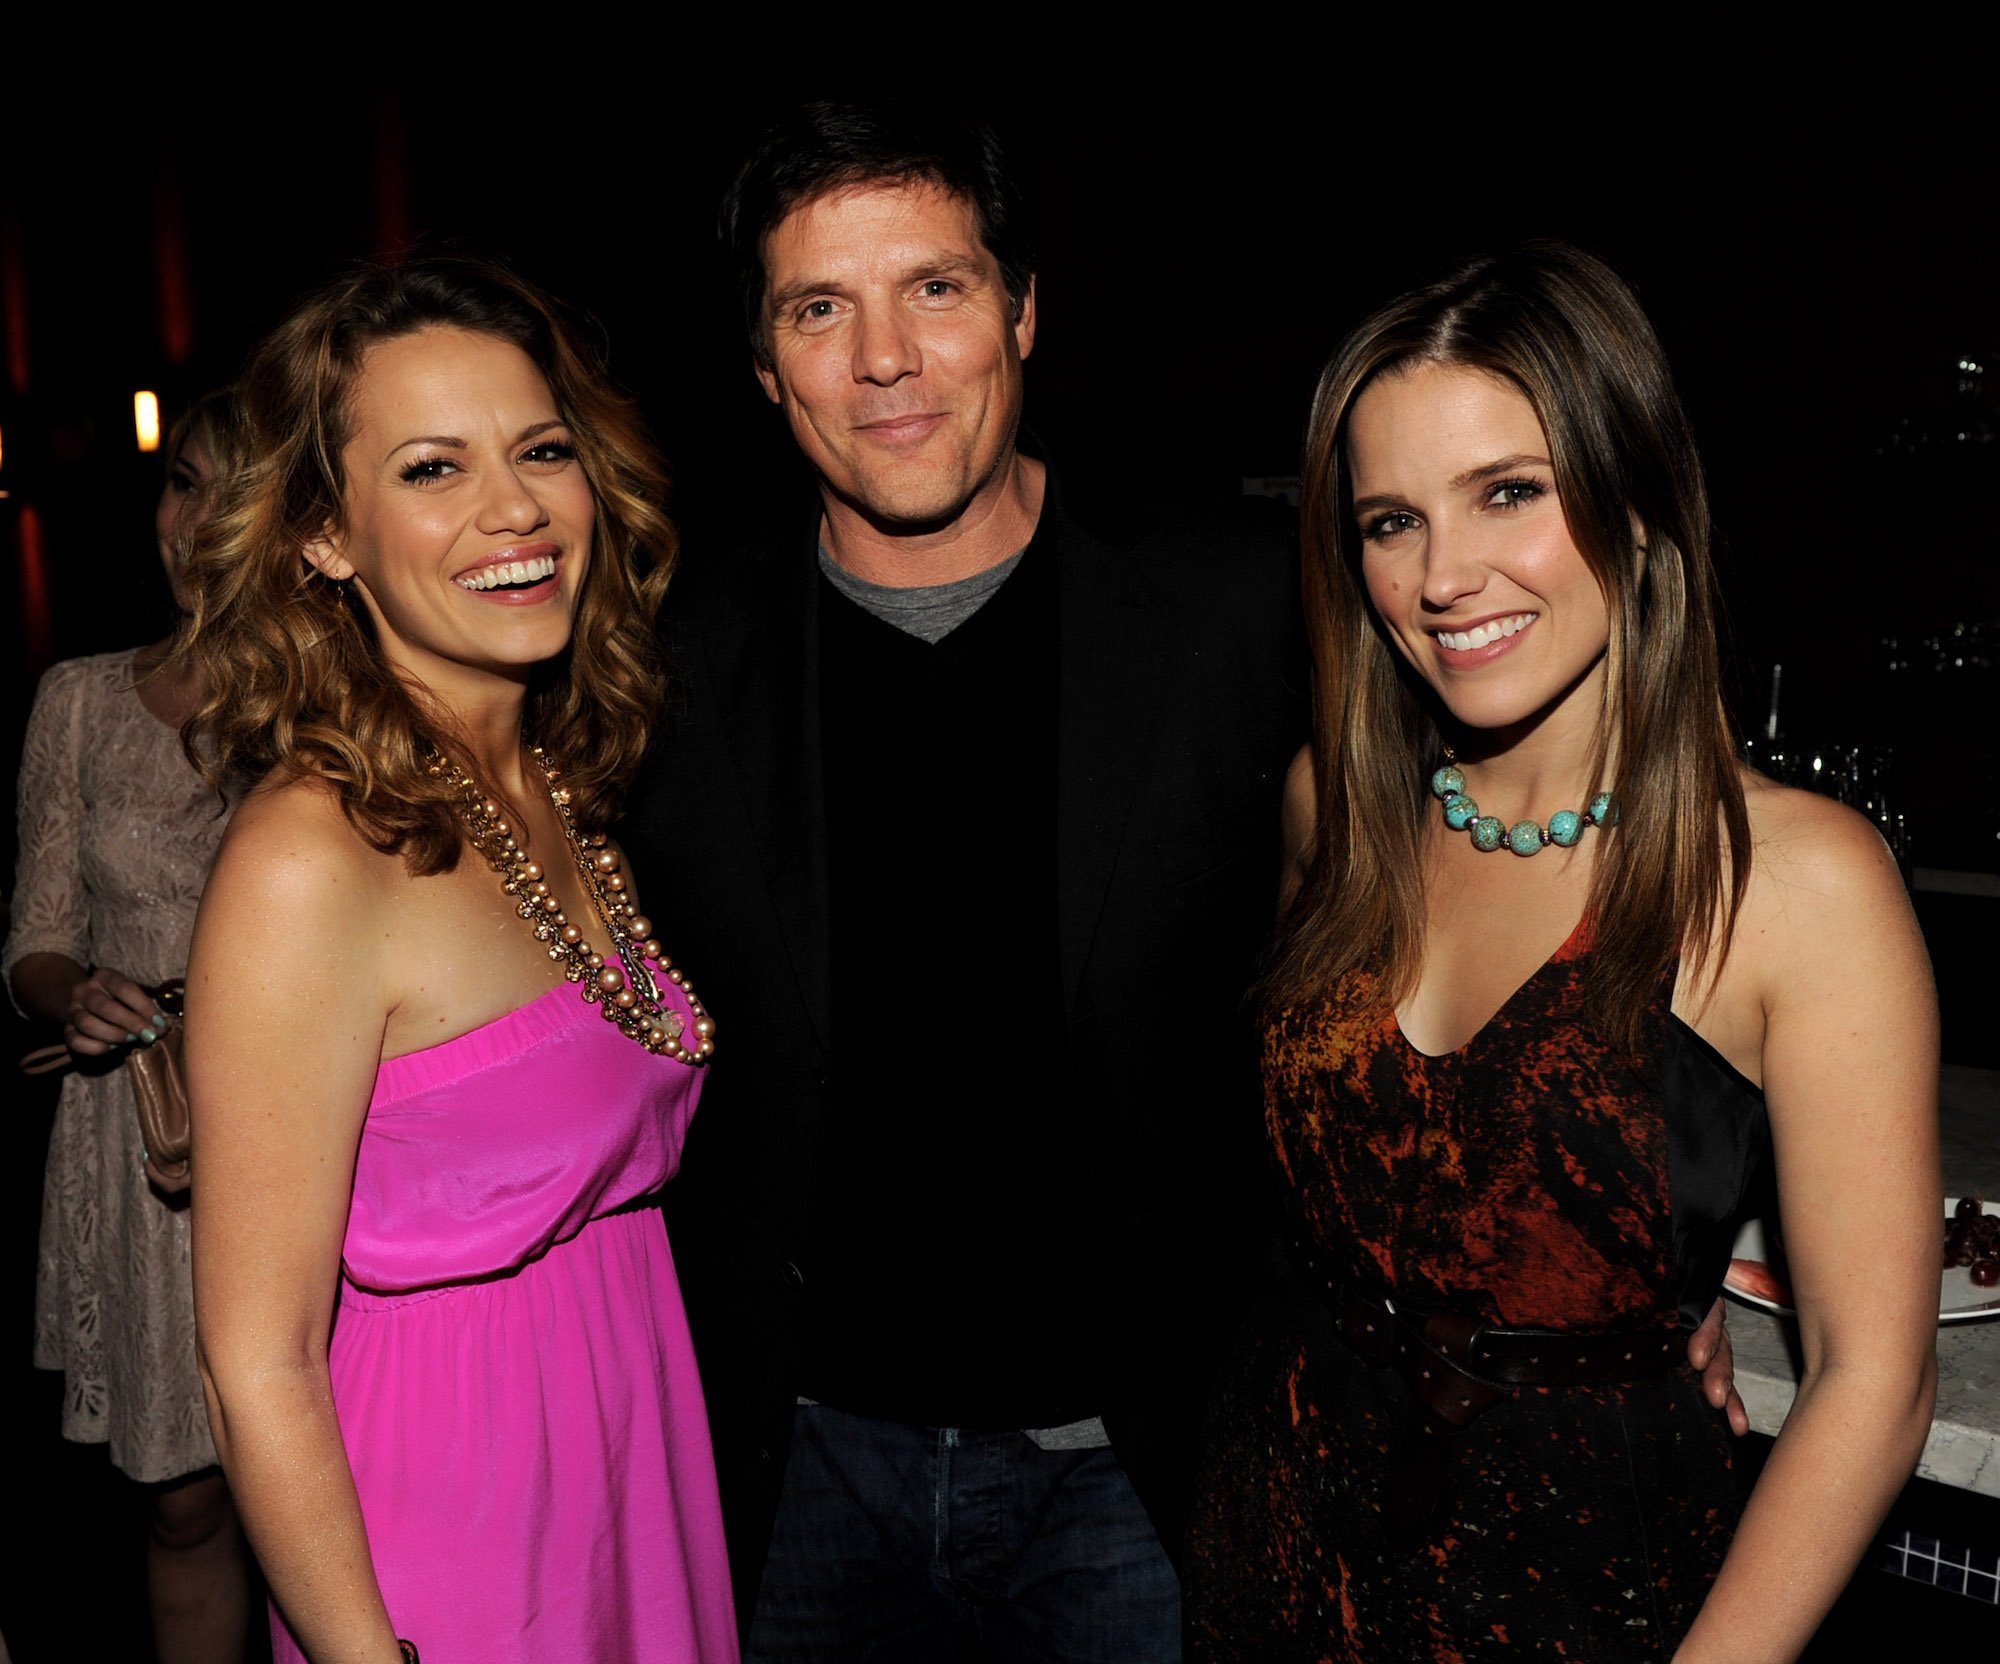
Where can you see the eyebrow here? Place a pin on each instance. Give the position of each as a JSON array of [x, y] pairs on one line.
[[451, 442], [1458, 482], [1504, 465], [950, 264]]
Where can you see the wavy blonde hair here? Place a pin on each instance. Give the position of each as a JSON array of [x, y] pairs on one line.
[[1561, 328], [297, 685]]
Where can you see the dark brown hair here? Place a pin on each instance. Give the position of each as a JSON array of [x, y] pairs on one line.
[[1563, 329], [824, 147], [296, 681]]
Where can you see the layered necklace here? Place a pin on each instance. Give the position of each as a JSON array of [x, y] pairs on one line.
[[623, 984], [1524, 837]]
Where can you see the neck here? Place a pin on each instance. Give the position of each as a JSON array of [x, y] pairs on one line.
[[1530, 770], [998, 521], [489, 729], [171, 688]]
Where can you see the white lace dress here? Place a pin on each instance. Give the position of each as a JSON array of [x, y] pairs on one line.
[[117, 835]]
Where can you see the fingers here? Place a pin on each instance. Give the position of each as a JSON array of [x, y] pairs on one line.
[[1710, 1352], [1739, 1416], [1706, 1341], [108, 1009]]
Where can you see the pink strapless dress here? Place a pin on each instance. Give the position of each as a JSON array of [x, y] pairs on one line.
[[510, 1359]]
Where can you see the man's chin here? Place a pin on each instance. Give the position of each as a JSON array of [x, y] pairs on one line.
[[908, 512]]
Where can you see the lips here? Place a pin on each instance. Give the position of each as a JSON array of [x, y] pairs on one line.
[[511, 570], [903, 429], [1487, 633], [501, 573]]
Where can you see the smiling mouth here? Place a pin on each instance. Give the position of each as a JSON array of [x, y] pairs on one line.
[[510, 574], [1483, 635]]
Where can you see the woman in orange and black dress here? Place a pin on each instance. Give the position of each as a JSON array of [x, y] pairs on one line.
[[1521, 1071]]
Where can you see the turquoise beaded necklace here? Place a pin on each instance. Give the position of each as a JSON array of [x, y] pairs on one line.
[[1524, 837]]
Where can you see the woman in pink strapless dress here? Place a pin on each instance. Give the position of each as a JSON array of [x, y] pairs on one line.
[[440, 1067], [510, 1362]]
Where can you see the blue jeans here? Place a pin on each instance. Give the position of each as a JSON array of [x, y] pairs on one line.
[[934, 1545]]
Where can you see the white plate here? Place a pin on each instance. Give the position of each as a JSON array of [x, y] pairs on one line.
[[1959, 1300]]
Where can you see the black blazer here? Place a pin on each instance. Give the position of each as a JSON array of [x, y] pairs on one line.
[[1182, 699]]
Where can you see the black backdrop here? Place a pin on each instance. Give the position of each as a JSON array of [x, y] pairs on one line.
[[1808, 216], [1809, 219]]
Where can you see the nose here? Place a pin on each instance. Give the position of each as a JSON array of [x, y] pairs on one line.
[[1452, 567], [510, 504], [885, 347]]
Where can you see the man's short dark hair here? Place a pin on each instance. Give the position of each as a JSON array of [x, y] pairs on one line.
[[824, 147]]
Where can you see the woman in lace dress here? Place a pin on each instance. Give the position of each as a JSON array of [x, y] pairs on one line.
[[117, 833]]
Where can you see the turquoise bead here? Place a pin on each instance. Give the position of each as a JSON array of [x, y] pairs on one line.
[[1460, 812], [1448, 782], [1488, 833], [1565, 827], [1603, 812], [1524, 837]]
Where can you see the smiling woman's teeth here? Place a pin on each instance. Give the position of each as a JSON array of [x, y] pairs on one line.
[[1463, 641], [510, 572]]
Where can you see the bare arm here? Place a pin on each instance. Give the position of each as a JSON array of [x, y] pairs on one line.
[[286, 1008], [1850, 1067]]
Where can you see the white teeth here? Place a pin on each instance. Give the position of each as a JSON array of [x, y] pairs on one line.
[[1463, 641], [510, 572]]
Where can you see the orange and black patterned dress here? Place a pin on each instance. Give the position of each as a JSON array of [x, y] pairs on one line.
[[1535, 1178]]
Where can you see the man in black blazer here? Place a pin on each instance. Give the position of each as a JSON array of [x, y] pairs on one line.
[[966, 827]]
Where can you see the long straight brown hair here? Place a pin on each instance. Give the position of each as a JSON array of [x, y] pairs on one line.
[[1563, 329]]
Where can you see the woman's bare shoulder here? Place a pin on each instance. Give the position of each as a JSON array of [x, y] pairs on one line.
[[288, 842], [1801, 839], [1821, 878]]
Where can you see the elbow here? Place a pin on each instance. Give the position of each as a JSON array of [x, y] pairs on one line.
[[211, 1397], [1889, 1405], [252, 1398], [1923, 1404]]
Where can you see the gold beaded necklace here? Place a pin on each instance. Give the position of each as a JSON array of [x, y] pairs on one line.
[[627, 991]]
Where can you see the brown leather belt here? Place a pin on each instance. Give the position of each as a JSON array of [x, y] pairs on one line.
[[1457, 1368]]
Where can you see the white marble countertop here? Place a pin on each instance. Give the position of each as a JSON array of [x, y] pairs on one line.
[[1964, 1446]]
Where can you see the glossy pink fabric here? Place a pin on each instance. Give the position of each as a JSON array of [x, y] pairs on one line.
[[511, 1367]]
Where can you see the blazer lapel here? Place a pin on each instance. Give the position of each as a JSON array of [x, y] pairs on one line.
[[760, 654]]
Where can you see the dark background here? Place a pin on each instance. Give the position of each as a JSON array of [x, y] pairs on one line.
[[1810, 222], [1809, 218]]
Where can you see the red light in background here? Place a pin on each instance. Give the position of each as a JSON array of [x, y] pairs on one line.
[[14, 303], [392, 179], [171, 266], [38, 630]]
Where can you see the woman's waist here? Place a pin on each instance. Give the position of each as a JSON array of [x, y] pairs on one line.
[[384, 1273], [1482, 1287]]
